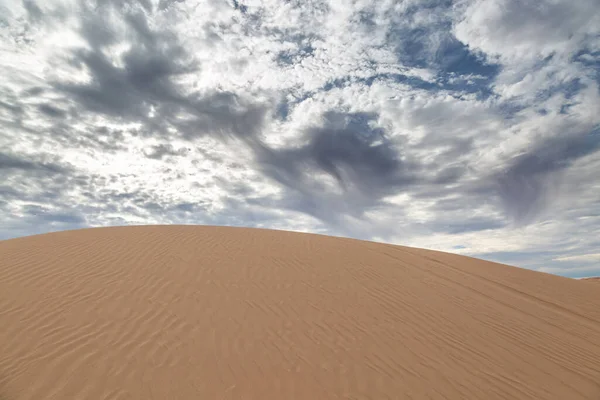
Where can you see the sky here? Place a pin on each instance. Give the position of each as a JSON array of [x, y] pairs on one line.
[[465, 126]]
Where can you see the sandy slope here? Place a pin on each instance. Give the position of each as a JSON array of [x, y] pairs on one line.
[[594, 279], [186, 312]]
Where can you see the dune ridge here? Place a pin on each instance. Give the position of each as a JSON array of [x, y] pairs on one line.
[[199, 312], [593, 279]]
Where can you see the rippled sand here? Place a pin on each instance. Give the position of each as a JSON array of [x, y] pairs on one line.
[[191, 312]]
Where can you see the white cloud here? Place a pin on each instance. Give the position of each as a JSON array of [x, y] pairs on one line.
[[520, 31], [581, 257]]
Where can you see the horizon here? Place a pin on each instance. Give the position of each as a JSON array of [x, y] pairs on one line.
[[469, 127], [279, 230]]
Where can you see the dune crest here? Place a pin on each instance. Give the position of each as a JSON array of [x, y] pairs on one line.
[[191, 312], [593, 279]]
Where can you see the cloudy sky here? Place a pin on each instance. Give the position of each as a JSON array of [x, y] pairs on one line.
[[464, 126]]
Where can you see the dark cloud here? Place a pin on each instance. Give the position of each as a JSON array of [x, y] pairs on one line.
[[359, 158], [347, 148], [144, 88], [51, 111], [239, 6], [523, 187], [23, 163], [144, 81], [127, 92], [33, 10], [225, 114], [344, 147], [159, 151]]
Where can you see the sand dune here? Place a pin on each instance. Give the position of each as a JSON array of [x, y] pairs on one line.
[[594, 279], [183, 312]]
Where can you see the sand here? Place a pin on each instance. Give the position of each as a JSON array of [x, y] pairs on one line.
[[184, 312], [594, 279]]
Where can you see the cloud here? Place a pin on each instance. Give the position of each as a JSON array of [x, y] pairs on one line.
[[51, 111], [582, 257], [161, 150], [345, 162], [141, 84], [515, 29], [14, 162], [467, 126], [532, 178], [344, 147], [33, 11], [145, 78]]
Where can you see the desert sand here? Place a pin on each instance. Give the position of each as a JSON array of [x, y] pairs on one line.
[[189, 312], [594, 279]]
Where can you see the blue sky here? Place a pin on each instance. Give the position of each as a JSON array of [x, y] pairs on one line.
[[466, 126]]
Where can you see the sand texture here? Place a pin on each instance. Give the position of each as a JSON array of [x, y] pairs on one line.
[[185, 312], [592, 279]]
